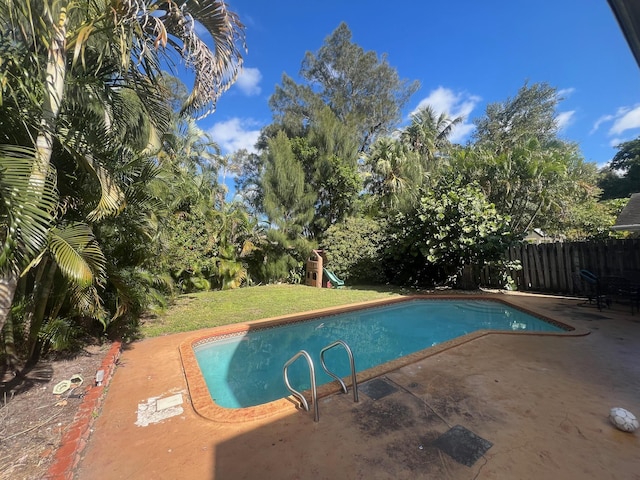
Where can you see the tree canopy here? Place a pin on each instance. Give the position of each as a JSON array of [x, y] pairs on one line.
[[522, 165], [360, 88], [531, 114], [621, 177]]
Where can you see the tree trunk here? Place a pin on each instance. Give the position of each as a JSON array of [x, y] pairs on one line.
[[8, 285], [33, 305], [41, 295], [53, 93]]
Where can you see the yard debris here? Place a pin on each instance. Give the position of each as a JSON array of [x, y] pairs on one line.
[[74, 382], [61, 387], [157, 409]]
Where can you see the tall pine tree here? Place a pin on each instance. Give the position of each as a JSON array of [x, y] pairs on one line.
[[289, 206]]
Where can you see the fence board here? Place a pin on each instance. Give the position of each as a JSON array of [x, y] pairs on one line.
[[568, 252], [524, 259], [539, 269], [551, 262], [551, 267], [559, 268]]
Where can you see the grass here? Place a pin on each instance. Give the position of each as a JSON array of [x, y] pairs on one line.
[[212, 309]]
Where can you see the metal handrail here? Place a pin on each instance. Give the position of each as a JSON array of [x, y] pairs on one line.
[[351, 362], [312, 379]]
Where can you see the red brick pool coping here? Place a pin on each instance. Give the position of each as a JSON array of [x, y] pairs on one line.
[[204, 405], [75, 438]]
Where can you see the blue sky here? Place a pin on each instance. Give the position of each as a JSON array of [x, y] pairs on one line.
[[465, 53]]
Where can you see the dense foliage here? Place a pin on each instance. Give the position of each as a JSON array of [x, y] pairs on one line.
[[621, 177], [361, 89], [354, 249], [83, 111], [450, 226]]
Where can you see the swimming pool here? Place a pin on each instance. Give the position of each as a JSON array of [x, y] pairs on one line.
[[245, 369]]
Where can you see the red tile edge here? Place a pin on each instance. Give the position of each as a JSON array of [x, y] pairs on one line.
[[75, 438]]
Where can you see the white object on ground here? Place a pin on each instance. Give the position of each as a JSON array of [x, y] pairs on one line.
[[168, 402], [623, 419], [76, 380], [99, 377], [61, 387], [157, 409]]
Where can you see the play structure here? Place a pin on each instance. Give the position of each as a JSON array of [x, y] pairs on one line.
[[318, 275]]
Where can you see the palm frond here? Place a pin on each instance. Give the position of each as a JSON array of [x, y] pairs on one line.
[[77, 254], [60, 334], [215, 71], [112, 200], [87, 302], [25, 212]]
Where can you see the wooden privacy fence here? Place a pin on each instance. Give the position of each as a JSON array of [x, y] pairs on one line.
[[553, 267]]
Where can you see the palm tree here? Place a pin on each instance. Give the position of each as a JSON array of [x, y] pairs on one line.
[[65, 46], [237, 238], [193, 156], [73, 253], [187, 190], [428, 135], [395, 172], [524, 183]]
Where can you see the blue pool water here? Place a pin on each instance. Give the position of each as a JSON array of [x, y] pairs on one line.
[[246, 370]]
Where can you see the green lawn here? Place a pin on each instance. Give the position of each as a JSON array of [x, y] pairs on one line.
[[211, 309]]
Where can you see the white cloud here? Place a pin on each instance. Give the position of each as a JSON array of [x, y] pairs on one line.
[[235, 134], [626, 119], [461, 132], [249, 81], [564, 119], [454, 104], [565, 92], [600, 121]]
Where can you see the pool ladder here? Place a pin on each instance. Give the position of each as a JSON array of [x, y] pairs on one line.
[[312, 376]]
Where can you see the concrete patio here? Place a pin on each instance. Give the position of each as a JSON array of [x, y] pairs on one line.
[[540, 401]]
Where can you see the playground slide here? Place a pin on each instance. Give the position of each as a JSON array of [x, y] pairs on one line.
[[335, 281]]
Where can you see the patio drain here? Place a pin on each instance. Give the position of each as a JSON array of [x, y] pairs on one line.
[[377, 389], [463, 445]]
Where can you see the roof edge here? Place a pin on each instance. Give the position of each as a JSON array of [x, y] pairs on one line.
[[626, 13]]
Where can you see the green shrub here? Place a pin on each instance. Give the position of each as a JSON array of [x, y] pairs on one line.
[[451, 226], [353, 249]]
